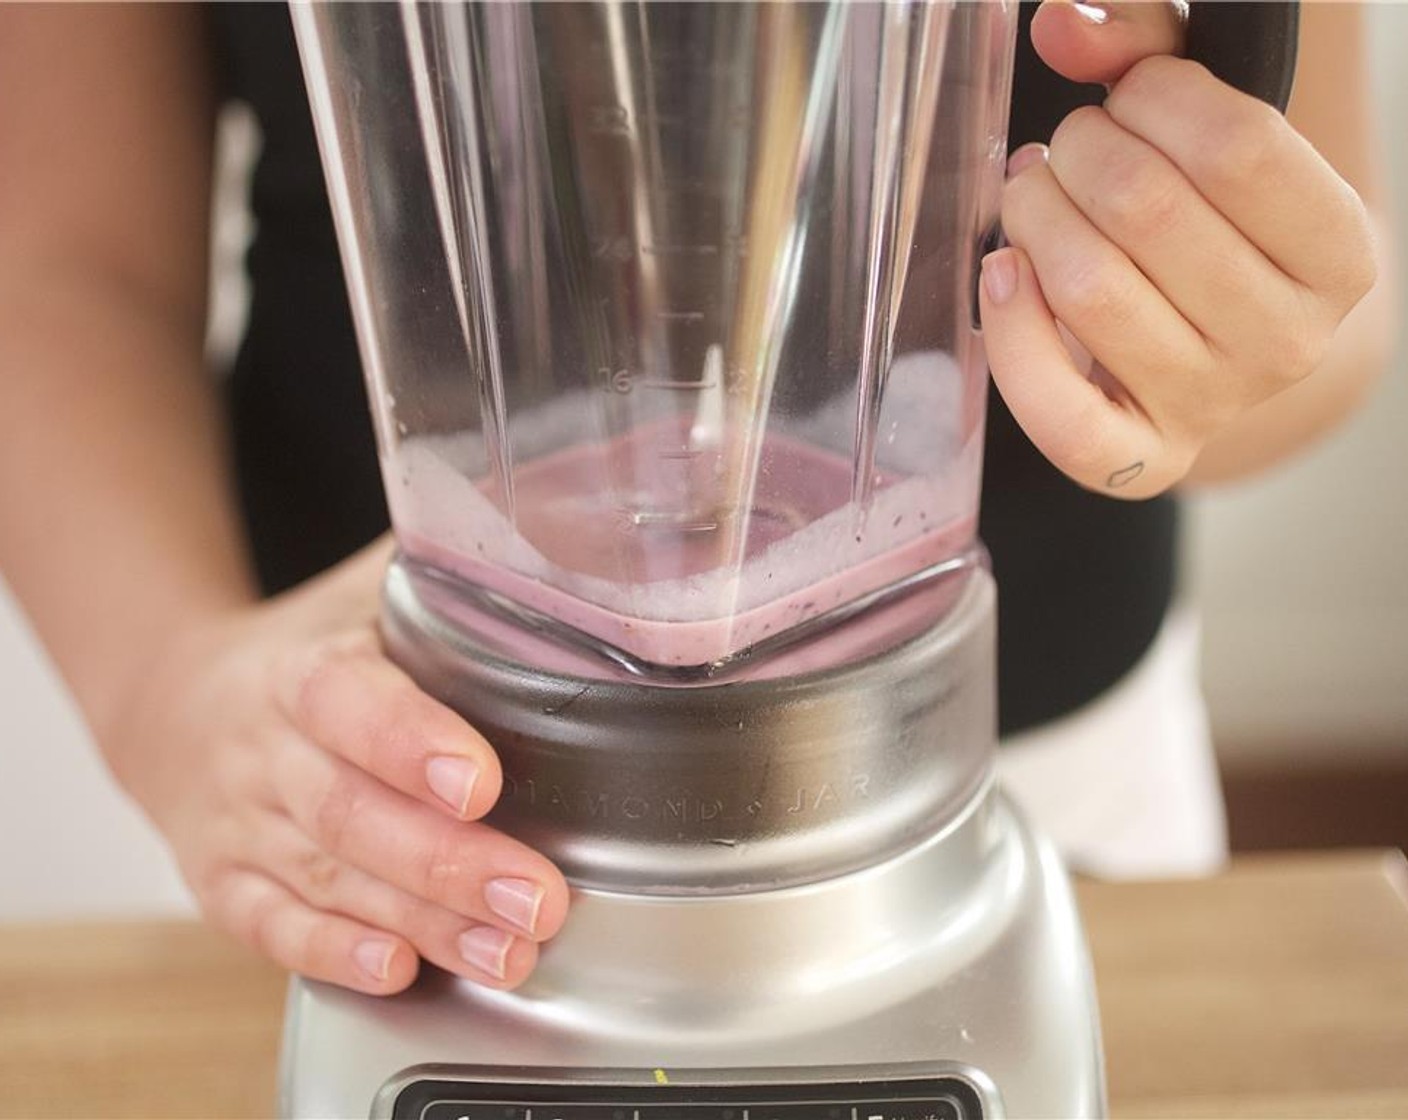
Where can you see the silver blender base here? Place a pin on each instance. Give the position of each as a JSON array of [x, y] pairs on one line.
[[794, 899], [990, 986]]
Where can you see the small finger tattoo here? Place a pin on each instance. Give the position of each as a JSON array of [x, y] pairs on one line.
[[1125, 475]]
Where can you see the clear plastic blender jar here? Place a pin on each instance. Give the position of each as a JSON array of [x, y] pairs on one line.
[[667, 309]]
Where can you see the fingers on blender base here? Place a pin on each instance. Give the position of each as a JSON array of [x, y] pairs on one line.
[[359, 706], [272, 920], [432, 931], [453, 778], [486, 950], [353, 818]]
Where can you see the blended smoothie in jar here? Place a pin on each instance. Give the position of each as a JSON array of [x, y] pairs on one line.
[[639, 549]]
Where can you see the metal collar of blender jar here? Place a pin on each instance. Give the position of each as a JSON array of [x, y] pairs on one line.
[[727, 787]]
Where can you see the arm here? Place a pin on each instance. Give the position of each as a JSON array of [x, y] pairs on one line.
[[118, 529], [320, 806]]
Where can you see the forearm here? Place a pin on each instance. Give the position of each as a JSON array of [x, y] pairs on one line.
[[116, 524], [116, 529]]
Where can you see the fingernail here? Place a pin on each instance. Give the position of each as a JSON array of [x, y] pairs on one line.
[[1025, 156], [515, 900], [486, 949], [451, 778], [374, 958], [1092, 13], [1000, 275]]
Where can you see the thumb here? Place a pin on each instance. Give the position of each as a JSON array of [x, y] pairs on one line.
[[1098, 42]]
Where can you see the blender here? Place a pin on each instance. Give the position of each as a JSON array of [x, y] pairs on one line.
[[667, 315]]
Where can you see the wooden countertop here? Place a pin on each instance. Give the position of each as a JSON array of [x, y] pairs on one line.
[[1279, 989]]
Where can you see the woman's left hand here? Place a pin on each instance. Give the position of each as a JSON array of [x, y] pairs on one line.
[[1178, 256]]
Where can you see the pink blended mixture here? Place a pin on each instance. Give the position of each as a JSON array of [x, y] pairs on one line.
[[666, 584]]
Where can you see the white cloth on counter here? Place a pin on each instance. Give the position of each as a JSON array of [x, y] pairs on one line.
[[1127, 785]]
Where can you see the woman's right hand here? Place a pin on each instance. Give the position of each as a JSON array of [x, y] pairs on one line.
[[321, 806]]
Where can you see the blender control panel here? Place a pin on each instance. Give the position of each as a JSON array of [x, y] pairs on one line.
[[941, 1098]]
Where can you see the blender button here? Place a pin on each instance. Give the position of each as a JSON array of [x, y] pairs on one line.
[[943, 1108]]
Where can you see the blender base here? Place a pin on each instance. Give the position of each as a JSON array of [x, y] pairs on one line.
[[909, 990]]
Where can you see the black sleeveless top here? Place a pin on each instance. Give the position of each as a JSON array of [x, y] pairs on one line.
[[1084, 581]]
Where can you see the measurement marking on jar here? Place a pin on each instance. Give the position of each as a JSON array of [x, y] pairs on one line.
[[681, 316], [684, 185], [677, 386], [618, 249], [626, 381], [650, 519], [659, 249], [614, 120], [687, 454]]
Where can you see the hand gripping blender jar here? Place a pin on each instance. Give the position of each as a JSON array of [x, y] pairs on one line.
[[668, 317]]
